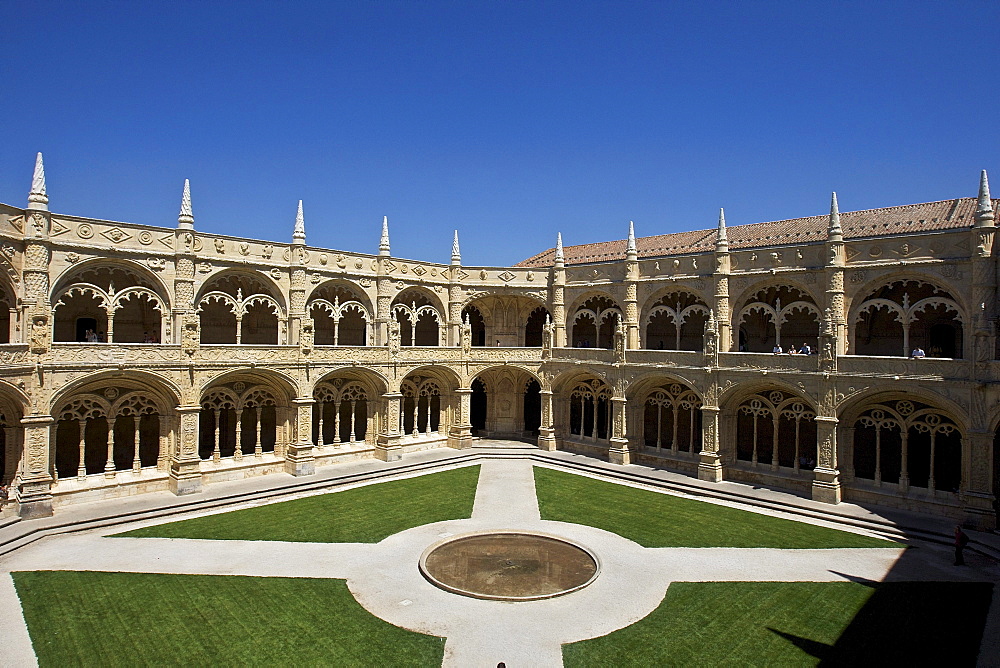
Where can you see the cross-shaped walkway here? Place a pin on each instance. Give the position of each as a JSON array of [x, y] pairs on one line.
[[385, 579]]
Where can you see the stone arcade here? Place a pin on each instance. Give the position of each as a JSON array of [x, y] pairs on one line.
[[138, 358]]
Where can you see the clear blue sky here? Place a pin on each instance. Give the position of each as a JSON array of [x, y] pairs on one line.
[[509, 121]]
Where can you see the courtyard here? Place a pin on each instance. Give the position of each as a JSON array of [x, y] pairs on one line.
[[330, 574]]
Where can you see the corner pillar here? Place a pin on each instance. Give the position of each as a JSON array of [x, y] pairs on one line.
[[709, 462], [619, 452], [299, 459], [977, 496], [185, 466], [387, 446], [826, 477], [546, 431], [460, 434], [34, 492]]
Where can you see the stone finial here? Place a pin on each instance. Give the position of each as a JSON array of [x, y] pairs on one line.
[[383, 244], [560, 257], [721, 240], [984, 211], [834, 230], [37, 199], [299, 234], [456, 252], [630, 249], [185, 219]]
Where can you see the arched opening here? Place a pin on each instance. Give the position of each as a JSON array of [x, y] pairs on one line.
[[421, 406], [478, 407], [237, 419], [240, 308], [418, 319], [903, 316], [117, 429], [676, 321], [5, 318], [260, 324], [477, 323], [114, 303], [506, 403], [218, 322], [594, 323], [532, 408], [137, 319], [80, 316], [778, 317], [590, 410], [534, 326], [672, 419], [907, 443], [777, 428], [341, 412], [340, 316]]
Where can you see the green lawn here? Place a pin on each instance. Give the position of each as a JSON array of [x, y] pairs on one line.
[[800, 624], [661, 520], [134, 619], [361, 515]]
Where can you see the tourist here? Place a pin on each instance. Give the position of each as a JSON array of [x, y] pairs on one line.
[[918, 353], [805, 349], [777, 350], [961, 540]]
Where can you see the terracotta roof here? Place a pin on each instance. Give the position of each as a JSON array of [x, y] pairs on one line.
[[906, 219]]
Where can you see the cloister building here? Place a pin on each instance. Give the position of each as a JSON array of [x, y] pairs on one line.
[[138, 358]]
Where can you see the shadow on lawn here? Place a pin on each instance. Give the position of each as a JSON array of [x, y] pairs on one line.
[[909, 623]]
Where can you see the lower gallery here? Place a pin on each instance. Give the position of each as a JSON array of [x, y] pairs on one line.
[[845, 356]]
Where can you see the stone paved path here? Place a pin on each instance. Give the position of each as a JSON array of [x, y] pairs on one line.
[[385, 579]]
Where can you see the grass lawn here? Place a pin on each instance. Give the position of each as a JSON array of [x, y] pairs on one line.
[[361, 515], [800, 623], [661, 520], [134, 619]]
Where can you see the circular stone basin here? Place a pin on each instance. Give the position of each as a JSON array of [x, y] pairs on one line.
[[509, 566]]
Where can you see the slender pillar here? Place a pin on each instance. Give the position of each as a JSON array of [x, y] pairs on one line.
[[336, 422], [258, 448], [353, 405], [109, 465], [319, 428], [238, 452], [136, 461], [216, 450], [81, 469]]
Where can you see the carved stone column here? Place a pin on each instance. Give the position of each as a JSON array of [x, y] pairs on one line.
[[460, 433], [709, 462], [826, 476], [546, 431], [299, 459], [185, 466], [34, 493], [387, 447], [976, 495], [619, 452]]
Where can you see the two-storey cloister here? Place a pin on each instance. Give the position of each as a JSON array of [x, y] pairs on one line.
[[183, 357]]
